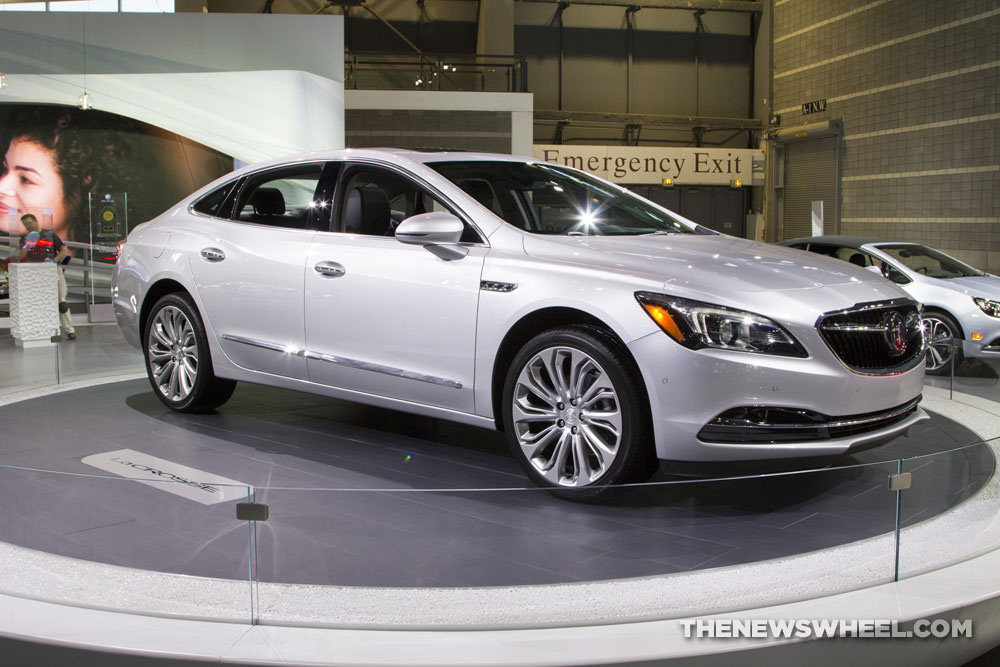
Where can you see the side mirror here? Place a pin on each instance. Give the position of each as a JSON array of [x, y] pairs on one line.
[[438, 228], [875, 269]]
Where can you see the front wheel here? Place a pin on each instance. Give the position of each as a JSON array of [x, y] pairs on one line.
[[178, 360], [942, 335], [576, 413]]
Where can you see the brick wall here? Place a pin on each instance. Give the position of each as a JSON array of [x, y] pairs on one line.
[[917, 85]]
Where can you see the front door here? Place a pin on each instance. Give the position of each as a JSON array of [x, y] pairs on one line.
[[386, 318]]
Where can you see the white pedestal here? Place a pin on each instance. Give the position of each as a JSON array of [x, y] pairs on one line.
[[34, 303]]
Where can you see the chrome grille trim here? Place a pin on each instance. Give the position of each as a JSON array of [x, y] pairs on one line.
[[861, 336]]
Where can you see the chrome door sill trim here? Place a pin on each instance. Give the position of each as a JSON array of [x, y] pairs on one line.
[[343, 361], [260, 343], [378, 368]]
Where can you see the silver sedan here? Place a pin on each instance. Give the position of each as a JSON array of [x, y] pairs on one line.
[[961, 304], [599, 331]]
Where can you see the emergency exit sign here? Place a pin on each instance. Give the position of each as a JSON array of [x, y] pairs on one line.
[[813, 107]]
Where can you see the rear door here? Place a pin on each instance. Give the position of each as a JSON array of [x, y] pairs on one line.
[[249, 269]]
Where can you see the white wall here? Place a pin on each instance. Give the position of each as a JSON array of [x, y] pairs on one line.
[[251, 86]]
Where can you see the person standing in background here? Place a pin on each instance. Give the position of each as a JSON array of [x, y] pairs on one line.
[[46, 246]]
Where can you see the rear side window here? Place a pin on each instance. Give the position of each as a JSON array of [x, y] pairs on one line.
[[285, 197], [211, 204]]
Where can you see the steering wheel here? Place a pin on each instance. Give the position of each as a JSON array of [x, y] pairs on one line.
[[922, 270]]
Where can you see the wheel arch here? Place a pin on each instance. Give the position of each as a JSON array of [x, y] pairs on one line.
[[525, 329], [943, 311], [155, 292]]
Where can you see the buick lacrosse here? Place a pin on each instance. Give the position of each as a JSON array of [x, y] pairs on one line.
[[600, 332]]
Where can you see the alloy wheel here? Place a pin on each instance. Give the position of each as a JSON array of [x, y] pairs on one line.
[[940, 338], [567, 416], [173, 353]]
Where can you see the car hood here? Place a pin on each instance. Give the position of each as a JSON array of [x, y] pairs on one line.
[[982, 286], [706, 263]]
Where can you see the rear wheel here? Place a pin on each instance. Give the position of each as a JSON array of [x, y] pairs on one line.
[[178, 360], [576, 413], [942, 334]]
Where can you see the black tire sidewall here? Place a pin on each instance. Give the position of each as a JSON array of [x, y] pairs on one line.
[[633, 404], [204, 377]]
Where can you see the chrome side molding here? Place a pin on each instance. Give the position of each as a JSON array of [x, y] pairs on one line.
[[344, 361], [257, 343]]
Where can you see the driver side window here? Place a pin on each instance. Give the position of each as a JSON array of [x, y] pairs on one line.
[[374, 201]]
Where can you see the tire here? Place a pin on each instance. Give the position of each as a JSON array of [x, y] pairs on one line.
[[572, 452], [178, 359], [941, 332]]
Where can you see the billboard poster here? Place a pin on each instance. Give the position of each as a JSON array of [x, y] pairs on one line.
[[94, 170]]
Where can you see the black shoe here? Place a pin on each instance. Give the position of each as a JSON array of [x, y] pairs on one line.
[[71, 336]]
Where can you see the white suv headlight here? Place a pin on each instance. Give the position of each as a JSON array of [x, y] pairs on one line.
[[698, 325]]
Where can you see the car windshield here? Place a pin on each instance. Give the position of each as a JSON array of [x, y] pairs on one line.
[[929, 262], [546, 199]]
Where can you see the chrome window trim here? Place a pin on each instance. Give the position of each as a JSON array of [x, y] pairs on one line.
[[344, 361]]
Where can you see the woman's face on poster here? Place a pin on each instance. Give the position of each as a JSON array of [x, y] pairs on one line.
[[30, 183]]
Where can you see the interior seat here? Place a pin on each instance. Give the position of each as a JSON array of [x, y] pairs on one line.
[[858, 259], [367, 212]]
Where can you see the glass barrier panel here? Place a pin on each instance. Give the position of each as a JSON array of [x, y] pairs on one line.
[[25, 368], [949, 507], [108, 226], [150, 541], [99, 351], [344, 556]]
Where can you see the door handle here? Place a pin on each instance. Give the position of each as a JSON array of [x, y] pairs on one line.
[[330, 269], [212, 254]]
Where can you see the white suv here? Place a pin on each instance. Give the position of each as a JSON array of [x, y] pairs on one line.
[[600, 331]]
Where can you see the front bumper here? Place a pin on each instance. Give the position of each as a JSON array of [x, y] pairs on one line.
[[988, 348], [771, 425], [689, 389]]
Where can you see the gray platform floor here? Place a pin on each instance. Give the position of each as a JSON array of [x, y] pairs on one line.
[[287, 444]]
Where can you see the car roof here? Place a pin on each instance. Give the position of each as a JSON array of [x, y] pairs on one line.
[[841, 241], [421, 156]]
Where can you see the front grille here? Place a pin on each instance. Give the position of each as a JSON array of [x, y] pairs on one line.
[[880, 338], [764, 425]]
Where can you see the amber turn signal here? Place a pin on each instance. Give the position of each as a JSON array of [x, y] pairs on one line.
[[663, 318]]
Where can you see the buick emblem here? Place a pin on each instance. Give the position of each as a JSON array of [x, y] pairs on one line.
[[894, 330]]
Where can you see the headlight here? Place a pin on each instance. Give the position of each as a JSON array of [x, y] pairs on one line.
[[991, 308], [698, 325]]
